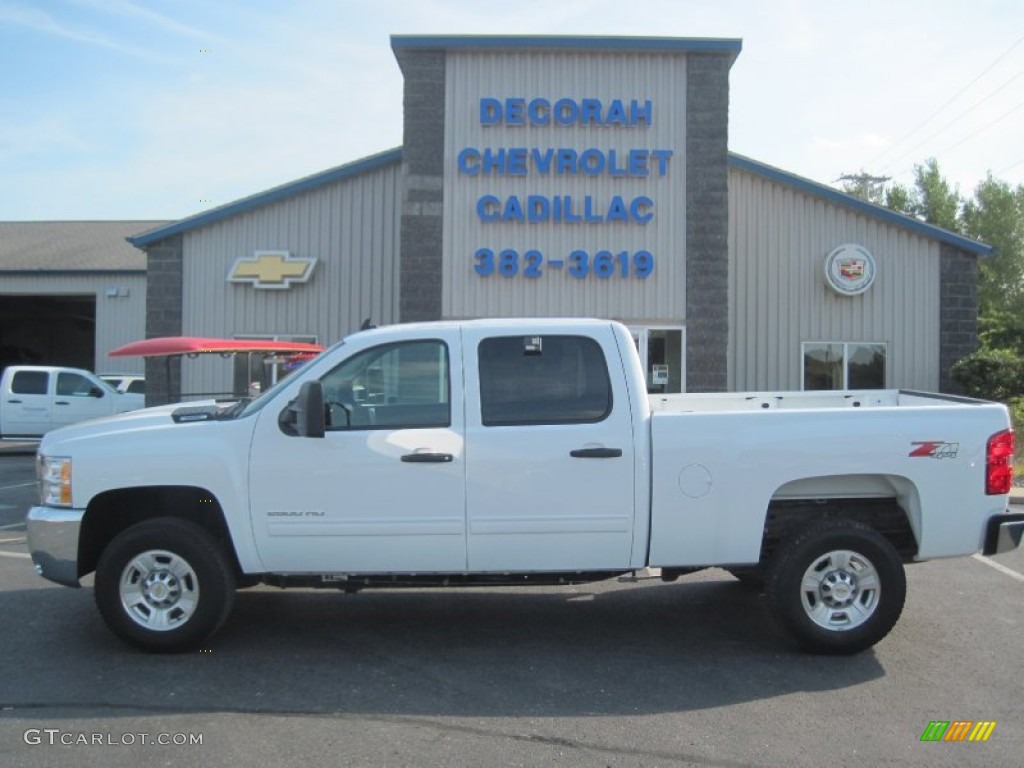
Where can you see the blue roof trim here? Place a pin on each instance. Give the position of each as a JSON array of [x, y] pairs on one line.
[[868, 209], [290, 189], [577, 42]]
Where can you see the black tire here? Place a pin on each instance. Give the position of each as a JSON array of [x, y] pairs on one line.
[[753, 578], [859, 598], [176, 597]]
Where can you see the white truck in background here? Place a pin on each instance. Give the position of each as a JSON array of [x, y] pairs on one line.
[[518, 452], [35, 399]]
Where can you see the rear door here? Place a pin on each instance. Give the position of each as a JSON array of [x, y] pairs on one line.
[[549, 451], [28, 404]]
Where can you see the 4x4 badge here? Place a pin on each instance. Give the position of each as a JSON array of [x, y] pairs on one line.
[[934, 449]]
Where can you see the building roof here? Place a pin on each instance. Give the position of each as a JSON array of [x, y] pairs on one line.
[[71, 246], [292, 188], [868, 209], [572, 42]]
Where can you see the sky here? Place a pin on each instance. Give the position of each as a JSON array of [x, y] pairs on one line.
[[160, 109]]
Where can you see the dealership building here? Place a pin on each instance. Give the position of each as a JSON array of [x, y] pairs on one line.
[[575, 176]]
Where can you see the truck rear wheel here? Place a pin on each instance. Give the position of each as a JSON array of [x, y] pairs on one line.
[[837, 588], [164, 585]]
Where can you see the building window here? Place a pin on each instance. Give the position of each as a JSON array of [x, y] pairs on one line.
[[661, 354], [843, 365]]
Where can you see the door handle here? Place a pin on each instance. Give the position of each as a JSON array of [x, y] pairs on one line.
[[427, 458], [18, 402], [62, 402], [596, 453]]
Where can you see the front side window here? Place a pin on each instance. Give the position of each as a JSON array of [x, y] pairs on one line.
[[29, 382], [73, 385], [843, 365], [543, 380], [393, 386]]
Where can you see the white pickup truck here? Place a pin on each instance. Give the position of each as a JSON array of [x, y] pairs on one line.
[[518, 452], [35, 399]]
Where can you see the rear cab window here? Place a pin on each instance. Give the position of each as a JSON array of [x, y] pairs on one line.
[[551, 379], [30, 382]]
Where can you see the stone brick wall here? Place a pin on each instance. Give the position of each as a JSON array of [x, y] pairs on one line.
[[707, 223], [419, 296], [958, 311], [164, 276]]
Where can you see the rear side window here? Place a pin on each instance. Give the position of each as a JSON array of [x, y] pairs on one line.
[[29, 383], [543, 380]]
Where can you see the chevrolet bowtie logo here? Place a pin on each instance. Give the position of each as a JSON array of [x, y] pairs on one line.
[[271, 269]]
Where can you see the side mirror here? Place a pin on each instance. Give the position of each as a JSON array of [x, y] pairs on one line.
[[95, 391], [309, 410]]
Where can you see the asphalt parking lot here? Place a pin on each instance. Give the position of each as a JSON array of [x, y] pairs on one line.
[[611, 674]]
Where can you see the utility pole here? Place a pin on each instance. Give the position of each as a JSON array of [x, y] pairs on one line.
[[864, 185]]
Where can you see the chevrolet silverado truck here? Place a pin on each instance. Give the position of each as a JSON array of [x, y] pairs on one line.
[[35, 399], [518, 452]]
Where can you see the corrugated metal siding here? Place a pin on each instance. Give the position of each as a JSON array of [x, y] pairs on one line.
[[118, 320], [533, 74], [778, 240], [352, 228]]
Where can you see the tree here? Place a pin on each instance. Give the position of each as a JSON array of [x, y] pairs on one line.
[[898, 198], [933, 200], [996, 216]]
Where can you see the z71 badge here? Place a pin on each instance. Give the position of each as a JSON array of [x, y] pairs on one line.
[[934, 449]]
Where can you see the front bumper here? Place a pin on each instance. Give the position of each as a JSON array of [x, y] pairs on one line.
[[1004, 532], [53, 542]]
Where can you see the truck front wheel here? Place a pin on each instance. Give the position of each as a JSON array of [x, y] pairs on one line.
[[838, 587], [164, 585]]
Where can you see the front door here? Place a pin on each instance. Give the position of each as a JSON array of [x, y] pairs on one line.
[[384, 489], [549, 452], [79, 398]]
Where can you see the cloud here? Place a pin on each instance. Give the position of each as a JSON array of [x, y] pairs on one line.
[[41, 21], [130, 10], [41, 137]]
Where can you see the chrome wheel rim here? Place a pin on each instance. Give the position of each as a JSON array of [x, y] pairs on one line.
[[159, 590], [840, 590]]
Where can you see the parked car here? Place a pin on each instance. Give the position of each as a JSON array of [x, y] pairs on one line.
[[126, 383], [35, 399]]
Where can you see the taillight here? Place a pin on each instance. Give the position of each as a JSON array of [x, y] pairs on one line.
[[999, 463]]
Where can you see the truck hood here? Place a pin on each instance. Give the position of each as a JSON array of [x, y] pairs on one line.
[[145, 419]]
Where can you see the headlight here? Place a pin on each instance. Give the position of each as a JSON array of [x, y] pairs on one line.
[[54, 475]]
